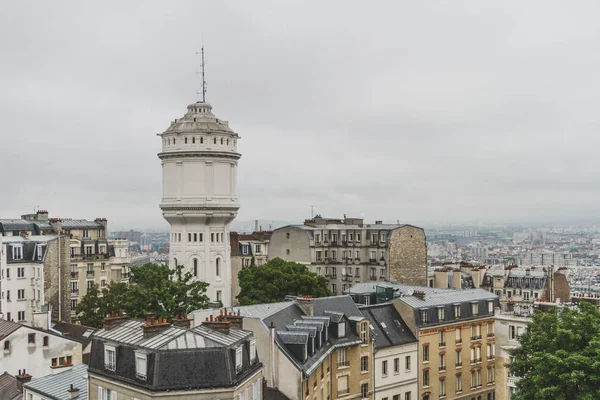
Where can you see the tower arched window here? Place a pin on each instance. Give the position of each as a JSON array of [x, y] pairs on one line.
[[195, 267], [218, 267], [194, 140], [185, 140], [173, 140], [227, 142], [169, 141], [175, 262], [215, 140], [221, 140], [201, 140]]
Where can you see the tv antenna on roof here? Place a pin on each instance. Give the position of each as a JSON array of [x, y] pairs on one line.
[[201, 72], [312, 210]]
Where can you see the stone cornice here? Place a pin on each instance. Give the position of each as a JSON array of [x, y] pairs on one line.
[[198, 208], [199, 154]]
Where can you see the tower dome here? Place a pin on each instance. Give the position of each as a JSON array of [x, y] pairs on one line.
[[199, 161]]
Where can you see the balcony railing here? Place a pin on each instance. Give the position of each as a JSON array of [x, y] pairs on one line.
[[458, 341], [491, 335], [343, 363], [74, 275], [90, 273], [73, 291], [458, 364], [442, 344], [473, 338], [442, 367]]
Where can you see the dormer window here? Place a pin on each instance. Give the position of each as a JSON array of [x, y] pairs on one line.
[[491, 306], [457, 311], [475, 309], [40, 251], [141, 366], [238, 359], [363, 332], [110, 358], [342, 329], [424, 318], [17, 252], [245, 249], [440, 312], [252, 351]]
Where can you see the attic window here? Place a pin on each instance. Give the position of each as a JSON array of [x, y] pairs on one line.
[[424, 318], [252, 351], [342, 329], [474, 308], [17, 252], [110, 358], [238, 359], [490, 306], [141, 366]]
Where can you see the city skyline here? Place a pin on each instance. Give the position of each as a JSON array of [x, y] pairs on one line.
[[414, 113]]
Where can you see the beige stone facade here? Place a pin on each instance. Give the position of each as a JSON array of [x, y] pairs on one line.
[[349, 251], [245, 250]]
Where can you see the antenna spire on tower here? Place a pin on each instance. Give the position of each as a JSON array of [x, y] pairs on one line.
[[203, 92]]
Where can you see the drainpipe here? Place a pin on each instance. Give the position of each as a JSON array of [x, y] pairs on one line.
[[272, 353], [373, 367], [59, 282]]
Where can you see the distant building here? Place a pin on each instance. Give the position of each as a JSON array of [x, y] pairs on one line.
[[349, 251], [244, 249], [158, 360], [66, 385]]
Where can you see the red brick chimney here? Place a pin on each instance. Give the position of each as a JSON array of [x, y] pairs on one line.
[[113, 320], [182, 321], [220, 323], [155, 326]]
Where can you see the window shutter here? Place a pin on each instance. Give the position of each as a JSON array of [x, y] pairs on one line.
[[113, 395], [258, 385], [100, 393]]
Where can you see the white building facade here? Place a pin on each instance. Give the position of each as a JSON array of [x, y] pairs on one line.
[[509, 326], [199, 161]]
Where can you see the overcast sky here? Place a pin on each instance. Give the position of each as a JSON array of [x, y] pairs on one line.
[[417, 111]]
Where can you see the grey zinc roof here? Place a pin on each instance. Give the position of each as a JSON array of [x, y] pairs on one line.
[[382, 227], [234, 336], [448, 296], [388, 327], [262, 311], [399, 288], [8, 387], [81, 224], [312, 331], [7, 327], [56, 386], [343, 304], [16, 224], [131, 332], [293, 337], [30, 239]]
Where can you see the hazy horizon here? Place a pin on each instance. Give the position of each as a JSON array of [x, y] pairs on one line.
[[421, 113]]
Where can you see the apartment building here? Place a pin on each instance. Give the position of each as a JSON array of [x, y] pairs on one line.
[[246, 250], [33, 274], [395, 356], [312, 348], [66, 385], [349, 251], [36, 352], [85, 256], [158, 360], [455, 329], [509, 326]]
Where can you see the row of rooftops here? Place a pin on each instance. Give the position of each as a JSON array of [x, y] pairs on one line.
[[39, 223]]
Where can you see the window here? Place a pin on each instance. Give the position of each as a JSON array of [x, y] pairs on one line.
[[364, 364], [102, 283], [458, 383], [407, 363], [74, 287], [491, 375], [512, 332], [442, 362], [364, 390], [90, 284], [195, 267], [107, 394], [103, 267], [189, 237], [491, 306], [426, 377], [475, 308], [373, 255], [358, 237], [40, 251], [342, 329], [526, 296], [373, 237], [110, 358], [458, 358], [46, 341], [21, 315], [442, 339], [257, 249], [193, 139], [214, 140], [31, 338], [212, 237], [396, 365], [407, 396], [238, 359], [245, 249], [73, 305], [7, 345], [7, 273], [442, 387], [17, 252], [457, 311], [343, 385], [317, 237], [218, 266], [218, 296], [384, 367], [252, 351], [8, 295], [21, 272], [426, 353], [457, 335], [424, 318], [319, 255], [342, 357], [141, 366], [363, 332], [20, 294]]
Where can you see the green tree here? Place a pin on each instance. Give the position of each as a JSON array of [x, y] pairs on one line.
[[97, 304], [559, 356], [272, 281], [164, 292]]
